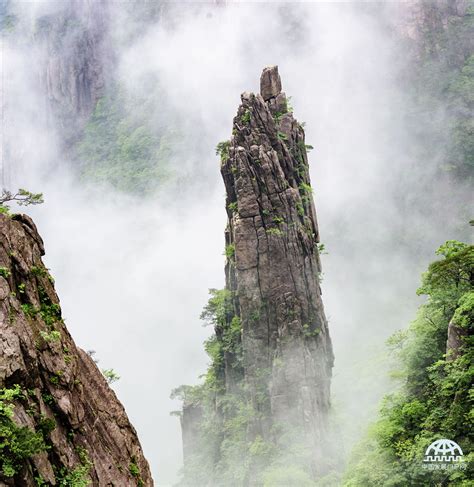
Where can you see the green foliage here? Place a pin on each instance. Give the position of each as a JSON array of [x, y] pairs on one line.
[[274, 231], [278, 220], [286, 476], [4, 272], [217, 308], [230, 251], [22, 197], [322, 249], [219, 313], [17, 443], [47, 398], [442, 95], [39, 271], [79, 476], [125, 147], [28, 309], [245, 118], [110, 375], [305, 189], [232, 335], [50, 313], [55, 378], [309, 331], [46, 425], [434, 400], [214, 375], [232, 206], [52, 336], [281, 136], [221, 411], [300, 209], [134, 469], [222, 150], [278, 116]]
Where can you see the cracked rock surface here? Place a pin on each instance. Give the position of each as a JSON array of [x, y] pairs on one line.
[[275, 268], [59, 382], [265, 399]]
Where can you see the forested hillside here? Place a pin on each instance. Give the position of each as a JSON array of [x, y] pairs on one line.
[[436, 373]]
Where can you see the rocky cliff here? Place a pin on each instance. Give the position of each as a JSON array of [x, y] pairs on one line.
[[60, 423], [423, 22], [272, 354], [275, 269], [75, 61]]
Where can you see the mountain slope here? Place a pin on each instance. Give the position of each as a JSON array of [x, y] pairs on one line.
[[60, 423]]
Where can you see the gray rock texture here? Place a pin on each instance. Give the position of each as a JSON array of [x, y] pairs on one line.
[[76, 57], [269, 381], [274, 273], [422, 22], [58, 380], [455, 341]]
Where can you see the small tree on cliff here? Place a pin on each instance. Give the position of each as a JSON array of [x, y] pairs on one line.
[[22, 197]]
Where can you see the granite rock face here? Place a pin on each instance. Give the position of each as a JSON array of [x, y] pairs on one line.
[[422, 22], [276, 356], [274, 272], [77, 56], [61, 386]]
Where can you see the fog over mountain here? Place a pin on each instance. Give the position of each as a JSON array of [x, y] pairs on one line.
[[113, 110]]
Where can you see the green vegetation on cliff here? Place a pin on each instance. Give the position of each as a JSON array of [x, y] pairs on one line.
[[443, 92], [125, 146], [17, 443], [435, 398]]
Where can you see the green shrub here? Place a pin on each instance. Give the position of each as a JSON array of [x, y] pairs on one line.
[[17, 443], [79, 476], [274, 231], [245, 118], [4, 272], [134, 469], [230, 251], [222, 150], [52, 336], [233, 206], [110, 375]]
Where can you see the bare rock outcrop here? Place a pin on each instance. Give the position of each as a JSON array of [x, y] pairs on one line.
[[54, 390], [76, 62], [275, 268], [266, 397]]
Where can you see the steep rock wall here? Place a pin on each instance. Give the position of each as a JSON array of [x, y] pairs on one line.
[[266, 397], [274, 270], [61, 394], [75, 62]]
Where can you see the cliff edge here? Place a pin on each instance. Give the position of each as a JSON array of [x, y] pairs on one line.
[[60, 422]]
